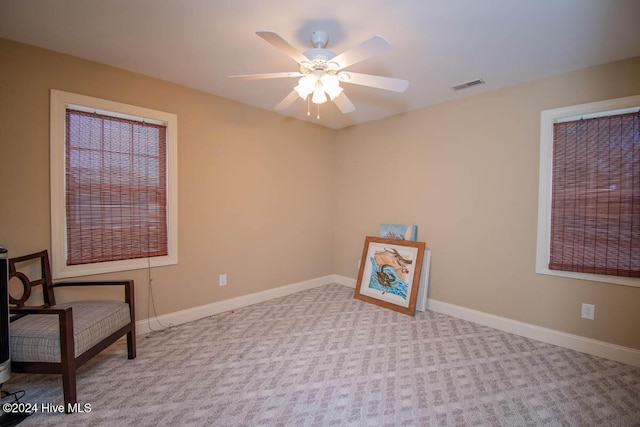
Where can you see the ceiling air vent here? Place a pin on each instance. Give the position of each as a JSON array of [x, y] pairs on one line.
[[467, 84]]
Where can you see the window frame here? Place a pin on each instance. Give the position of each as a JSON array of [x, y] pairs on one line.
[[547, 120], [60, 101]]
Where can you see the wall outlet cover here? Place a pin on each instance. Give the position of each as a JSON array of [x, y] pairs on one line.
[[588, 311]]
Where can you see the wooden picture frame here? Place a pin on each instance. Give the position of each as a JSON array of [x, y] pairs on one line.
[[399, 231], [389, 273]]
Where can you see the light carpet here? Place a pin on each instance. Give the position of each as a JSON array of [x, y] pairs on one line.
[[323, 358]]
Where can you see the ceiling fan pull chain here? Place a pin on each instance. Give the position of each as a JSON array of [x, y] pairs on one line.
[[318, 117], [308, 105]]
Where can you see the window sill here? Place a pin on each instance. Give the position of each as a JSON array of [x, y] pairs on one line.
[[63, 271], [616, 280]]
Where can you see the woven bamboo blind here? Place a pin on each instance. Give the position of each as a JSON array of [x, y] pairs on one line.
[[116, 193], [595, 208]]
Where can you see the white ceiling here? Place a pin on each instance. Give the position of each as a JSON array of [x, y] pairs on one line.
[[436, 43]]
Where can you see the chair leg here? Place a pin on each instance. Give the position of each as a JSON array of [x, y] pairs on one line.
[[131, 344], [131, 336], [69, 387], [67, 359]]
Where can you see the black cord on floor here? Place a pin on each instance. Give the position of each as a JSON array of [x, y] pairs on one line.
[[10, 419], [16, 395]]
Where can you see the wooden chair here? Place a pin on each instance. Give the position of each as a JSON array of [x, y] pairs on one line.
[[58, 339]]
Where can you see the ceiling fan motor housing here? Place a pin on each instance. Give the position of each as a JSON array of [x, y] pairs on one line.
[[319, 57], [319, 39], [318, 60]]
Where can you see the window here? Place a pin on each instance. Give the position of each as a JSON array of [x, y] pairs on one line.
[[115, 179], [113, 186], [589, 201]]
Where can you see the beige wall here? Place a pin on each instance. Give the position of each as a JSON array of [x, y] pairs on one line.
[[255, 188], [466, 172], [272, 201]]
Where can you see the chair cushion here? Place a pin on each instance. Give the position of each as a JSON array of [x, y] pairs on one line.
[[36, 337]]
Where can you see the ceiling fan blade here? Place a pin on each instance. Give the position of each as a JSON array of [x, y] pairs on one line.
[[265, 76], [287, 101], [344, 104], [283, 45], [366, 49], [380, 82]]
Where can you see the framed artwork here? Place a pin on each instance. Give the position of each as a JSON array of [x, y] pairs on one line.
[[423, 290], [390, 273], [399, 231]]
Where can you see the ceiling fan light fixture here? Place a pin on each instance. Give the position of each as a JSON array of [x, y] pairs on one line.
[[306, 85], [309, 81], [318, 95], [301, 92], [329, 81], [333, 92], [331, 85]]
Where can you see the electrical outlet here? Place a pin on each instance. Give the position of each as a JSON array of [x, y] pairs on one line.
[[222, 280], [588, 311]]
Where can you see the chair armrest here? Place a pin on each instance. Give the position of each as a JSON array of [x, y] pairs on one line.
[[129, 293], [96, 283], [53, 309], [128, 287]]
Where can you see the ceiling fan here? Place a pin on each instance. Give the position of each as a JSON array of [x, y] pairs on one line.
[[321, 71]]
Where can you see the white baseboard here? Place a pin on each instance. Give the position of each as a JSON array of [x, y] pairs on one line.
[[615, 352], [344, 281], [179, 317]]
